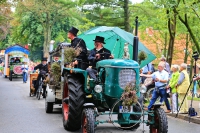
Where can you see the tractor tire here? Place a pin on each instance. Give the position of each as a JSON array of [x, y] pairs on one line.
[[73, 110], [48, 106], [161, 123], [132, 126], [88, 121]]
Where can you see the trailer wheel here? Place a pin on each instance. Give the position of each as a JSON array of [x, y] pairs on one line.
[[161, 124], [88, 120], [136, 108], [72, 110], [48, 106], [10, 75]]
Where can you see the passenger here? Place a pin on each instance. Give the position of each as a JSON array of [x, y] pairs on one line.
[[56, 59], [17, 60], [43, 68], [78, 43], [161, 78], [97, 54], [147, 69]]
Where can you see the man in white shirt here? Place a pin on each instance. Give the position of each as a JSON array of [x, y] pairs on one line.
[[161, 78], [24, 69]]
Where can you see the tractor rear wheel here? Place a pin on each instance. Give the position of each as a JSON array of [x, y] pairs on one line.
[[136, 108], [161, 124], [72, 110], [88, 120]]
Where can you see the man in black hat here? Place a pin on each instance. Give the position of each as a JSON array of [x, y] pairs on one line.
[[78, 43], [97, 54], [43, 68]]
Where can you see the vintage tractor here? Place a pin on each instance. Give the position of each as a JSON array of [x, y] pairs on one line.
[[83, 101]]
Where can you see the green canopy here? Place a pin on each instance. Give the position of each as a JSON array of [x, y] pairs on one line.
[[115, 39]]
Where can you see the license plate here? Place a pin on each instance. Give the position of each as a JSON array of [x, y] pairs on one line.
[[125, 109]]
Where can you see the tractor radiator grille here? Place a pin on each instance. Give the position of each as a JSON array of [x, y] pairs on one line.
[[126, 76]]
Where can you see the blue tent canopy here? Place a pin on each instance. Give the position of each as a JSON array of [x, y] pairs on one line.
[[17, 48]]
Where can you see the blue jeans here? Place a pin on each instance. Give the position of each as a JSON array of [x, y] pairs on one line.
[[162, 93], [24, 76], [92, 73]]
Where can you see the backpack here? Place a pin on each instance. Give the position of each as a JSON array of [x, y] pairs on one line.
[[191, 112]]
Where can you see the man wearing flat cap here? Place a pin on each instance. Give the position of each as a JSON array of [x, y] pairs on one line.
[[43, 68], [78, 43], [97, 54]]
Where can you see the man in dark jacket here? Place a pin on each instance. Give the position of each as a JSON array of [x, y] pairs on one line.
[[97, 54], [78, 43], [43, 68]]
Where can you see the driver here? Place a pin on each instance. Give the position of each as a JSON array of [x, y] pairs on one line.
[[97, 54], [43, 68]]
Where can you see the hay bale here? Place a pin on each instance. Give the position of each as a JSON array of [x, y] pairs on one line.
[[56, 73]]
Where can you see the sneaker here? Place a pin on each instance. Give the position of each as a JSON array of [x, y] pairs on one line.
[[168, 111]]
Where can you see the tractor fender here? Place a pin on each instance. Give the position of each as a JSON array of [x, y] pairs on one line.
[[50, 94], [157, 105], [88, 105]]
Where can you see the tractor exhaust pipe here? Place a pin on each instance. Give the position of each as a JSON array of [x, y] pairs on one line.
[[135, 41]]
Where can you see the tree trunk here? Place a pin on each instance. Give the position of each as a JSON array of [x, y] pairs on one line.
[[126, 16], [186, 48], [172, 33], [194, 38], [47, 36], [165, 45]]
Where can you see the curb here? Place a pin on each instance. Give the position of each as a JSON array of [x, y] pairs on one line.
[[185, 117]]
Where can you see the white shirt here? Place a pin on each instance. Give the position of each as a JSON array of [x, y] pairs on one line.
[[163, 75], [24, 68]]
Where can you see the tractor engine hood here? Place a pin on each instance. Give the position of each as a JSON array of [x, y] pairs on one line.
[[119, 63]]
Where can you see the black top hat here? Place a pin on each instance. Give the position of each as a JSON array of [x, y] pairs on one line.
[[44, 59], [99, 39], [73, 30]]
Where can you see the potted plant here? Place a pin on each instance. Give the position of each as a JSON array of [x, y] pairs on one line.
[[141, 56], [129, 97]]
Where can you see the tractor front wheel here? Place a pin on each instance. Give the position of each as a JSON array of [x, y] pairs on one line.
[[88, 120], [73, 109], [161, 124]]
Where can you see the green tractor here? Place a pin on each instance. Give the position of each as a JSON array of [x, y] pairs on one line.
[[85, 99]]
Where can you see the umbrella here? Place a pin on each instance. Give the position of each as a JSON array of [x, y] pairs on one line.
[[115, 38]]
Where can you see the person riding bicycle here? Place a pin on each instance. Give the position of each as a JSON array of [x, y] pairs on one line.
[[97, 54], [43, 70]]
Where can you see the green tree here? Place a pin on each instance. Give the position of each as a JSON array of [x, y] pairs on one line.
[[47, 12]]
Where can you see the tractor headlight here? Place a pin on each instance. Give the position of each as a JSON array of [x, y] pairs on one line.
[[98, 88], [126, 76], [143, 89]]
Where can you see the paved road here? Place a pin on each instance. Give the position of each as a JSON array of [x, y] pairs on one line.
[[20, 113]]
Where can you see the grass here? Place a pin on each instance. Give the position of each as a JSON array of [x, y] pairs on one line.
[[194, 98]]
